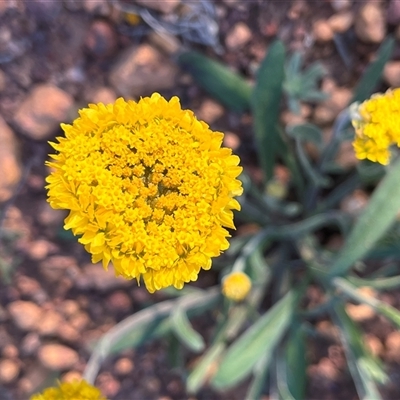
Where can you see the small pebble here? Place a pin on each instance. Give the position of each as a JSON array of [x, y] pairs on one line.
[[10, 164], [2, 80], [360, 312], [165, 7], [322, 31], [391, 73], [326, 111], [210, 111], [57, 357], [238, 36], [393, 12], [79, 321], [340, 5], [25, 314], [54, 268], [30, 344], [50, 323], [71, 376], [69, 307], [354, 203], [119, 301], [370, 23], [67, 333], [10, 351], [341, 22], [108, 385], [392, 345], [96, 277], [97, 7], [39, 249], [27, 286], [374, 345], [9, 370], [141, 70], [103, 95], [124, 366], [101, 39], [42, 111]]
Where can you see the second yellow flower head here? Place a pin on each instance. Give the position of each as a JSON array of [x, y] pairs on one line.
[[377, 123]]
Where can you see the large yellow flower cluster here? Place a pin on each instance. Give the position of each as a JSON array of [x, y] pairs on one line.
[[149, 188], [377, 126], [76, 390]]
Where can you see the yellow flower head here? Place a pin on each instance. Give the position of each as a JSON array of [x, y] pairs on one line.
[[377, 125], [77, 390], [236, 286], [148, 187]]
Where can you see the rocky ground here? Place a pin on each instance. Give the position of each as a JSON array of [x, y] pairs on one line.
[[57, 56]]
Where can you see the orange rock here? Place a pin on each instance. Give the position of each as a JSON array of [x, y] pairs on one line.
[[25, 314], [40, 114], [10, 166], [57, 357]]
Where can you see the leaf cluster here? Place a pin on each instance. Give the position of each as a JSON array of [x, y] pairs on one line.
[[285, 256]]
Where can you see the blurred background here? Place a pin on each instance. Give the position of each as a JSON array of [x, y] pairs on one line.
[[56, 56]]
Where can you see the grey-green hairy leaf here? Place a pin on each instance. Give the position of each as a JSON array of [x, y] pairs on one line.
[[185, 332], [258, 341], [373, 73], [378, 217], [265, 105], [229, 88]]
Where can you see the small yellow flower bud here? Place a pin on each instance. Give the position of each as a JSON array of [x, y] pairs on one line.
[[236, 286]]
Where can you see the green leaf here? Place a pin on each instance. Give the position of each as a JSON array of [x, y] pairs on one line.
[[145, 325], [305, 132], [377, 283], [317, 179], [369, 172], [143, 332], [373, 73], [365, 368], [382, 308], [265, 104], [296, 364], [225, 86], [257, 342], [378, 217], [257, 385], [201, 373], [184, 331]]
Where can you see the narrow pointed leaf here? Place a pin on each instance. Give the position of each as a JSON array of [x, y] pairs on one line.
[[306, 132], [379, 306], [201, 372], [265, 105], [257, 342], [227, 87], [373, 73], [296, 364], [365, 368], [185, 332], [378, 217]]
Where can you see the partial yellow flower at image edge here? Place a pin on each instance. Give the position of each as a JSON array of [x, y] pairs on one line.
[[236, 286], [377, 125], [149, 188], [76, 390]]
